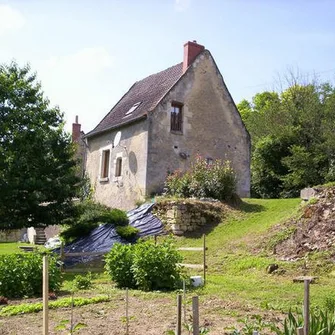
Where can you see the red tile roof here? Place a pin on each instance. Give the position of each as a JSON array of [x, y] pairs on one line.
[[149, 91]]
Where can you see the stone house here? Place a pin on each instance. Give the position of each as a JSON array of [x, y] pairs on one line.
[[160, 125]]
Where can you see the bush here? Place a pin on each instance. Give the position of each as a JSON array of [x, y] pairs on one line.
[[21, 275], [129, 233], [144, 265], [215, 180], [82, 282], [88, 215], [156, 266], [118, 265]]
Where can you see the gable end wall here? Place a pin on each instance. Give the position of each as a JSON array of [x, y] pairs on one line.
[[212, 127]]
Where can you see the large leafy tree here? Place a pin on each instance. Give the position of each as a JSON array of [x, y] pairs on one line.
[[37, 172], [293, 138]]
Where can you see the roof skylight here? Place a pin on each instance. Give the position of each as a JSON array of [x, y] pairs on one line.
[[133, 107]]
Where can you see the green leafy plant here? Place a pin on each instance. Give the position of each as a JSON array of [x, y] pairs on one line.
[[82, 282], [66, 325], [129, 233], [156, 266], [88, 215], [21, 275], [144, 265], [118, 263], [60, 303], [215, 179]]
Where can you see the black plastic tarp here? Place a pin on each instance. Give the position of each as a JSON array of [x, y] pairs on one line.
[[102, 238]]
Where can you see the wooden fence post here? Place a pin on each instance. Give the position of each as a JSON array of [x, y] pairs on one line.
[[204, 236], [195, 310], [255, 332], [300, 331], [306, 306], [45, 295], [184, 298], [62, 256], [127, 316], [179, 303]]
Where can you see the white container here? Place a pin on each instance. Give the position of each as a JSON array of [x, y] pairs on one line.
[[197, 281]]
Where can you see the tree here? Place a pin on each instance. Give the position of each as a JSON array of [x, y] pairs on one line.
[[37, 171], [293, 138]]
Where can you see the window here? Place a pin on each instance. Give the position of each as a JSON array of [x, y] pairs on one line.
[[176, 117], [118, 167], [133, 107], [105, 164]]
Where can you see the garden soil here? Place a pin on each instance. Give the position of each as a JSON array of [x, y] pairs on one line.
[[148, 316]]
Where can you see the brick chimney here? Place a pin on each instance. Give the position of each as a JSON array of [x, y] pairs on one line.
[[191, 50], [76, 130]]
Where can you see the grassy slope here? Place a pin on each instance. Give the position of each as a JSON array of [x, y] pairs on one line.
[[10, 248], [237, 271]]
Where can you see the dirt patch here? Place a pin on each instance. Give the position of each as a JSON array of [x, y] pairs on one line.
[[313, 231], [148, 315]]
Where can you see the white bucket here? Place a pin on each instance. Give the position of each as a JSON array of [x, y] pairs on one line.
[[197, 281]]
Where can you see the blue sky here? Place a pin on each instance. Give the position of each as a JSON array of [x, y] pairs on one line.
[[87, 53]]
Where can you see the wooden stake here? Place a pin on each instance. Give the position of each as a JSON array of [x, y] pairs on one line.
[[127, 317], [45, 295], [184, 298], [195, 310], [62, 256], [204, 258], [300, 331], [306, 307], [72, 307], [179, 303], [155, 239]]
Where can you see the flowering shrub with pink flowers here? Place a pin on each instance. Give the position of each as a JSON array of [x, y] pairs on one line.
[[215, 179]]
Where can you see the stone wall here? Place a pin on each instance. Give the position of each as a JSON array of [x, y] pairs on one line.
[[211, 127], [180, 217], [13, 235], [119, 191]]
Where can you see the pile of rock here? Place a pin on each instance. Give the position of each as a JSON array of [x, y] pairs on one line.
[[314, 229]]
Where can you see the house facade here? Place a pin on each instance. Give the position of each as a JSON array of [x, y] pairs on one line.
[[160, 125]]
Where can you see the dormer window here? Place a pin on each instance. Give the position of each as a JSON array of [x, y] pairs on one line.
[[133, 107], [177, 117]]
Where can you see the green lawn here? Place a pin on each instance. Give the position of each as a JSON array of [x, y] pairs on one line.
[[237, 261], [10, 248]]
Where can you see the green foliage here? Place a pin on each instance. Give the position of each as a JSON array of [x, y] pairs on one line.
[[38, 177], [61, 303], [155, 266], [82, 282], [144, 265], [88, 215], [129, 233], [293, 138], [320, 322], [215, 180], [118, 263], [22, 274]]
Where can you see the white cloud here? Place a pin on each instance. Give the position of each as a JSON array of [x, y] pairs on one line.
[[10, 19], [181, 5]]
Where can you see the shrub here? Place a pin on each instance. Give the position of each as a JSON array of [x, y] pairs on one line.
[[82, 282], [88, 215], [21, 275], [129, 233], [144, 265], [156, 266], [118, 265], [215, 180]]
